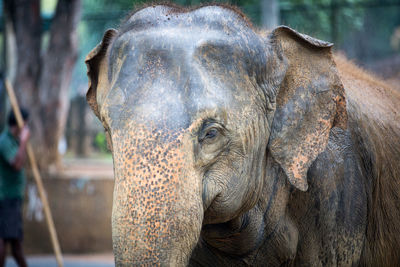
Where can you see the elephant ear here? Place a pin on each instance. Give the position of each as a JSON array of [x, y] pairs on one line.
[[97, 71], [309, 102]]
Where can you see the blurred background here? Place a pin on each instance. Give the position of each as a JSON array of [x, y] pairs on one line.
[[43, 44]]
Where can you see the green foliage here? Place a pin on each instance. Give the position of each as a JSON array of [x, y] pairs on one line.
[[316, 17], [100, 142]]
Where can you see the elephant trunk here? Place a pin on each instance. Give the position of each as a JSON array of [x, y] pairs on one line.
[[157, 211]]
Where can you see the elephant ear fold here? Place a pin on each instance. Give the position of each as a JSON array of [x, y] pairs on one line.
[[95, 64], [309, 102]]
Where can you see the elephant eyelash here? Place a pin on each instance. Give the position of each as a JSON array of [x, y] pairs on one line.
[[209, 134], [210, 130]]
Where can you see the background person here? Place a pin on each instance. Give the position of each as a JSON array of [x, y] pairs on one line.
[[13, 142]]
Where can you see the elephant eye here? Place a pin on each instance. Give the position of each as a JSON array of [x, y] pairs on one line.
[[211, 133]]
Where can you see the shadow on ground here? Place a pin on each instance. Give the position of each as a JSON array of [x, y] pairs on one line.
[[103, 260]]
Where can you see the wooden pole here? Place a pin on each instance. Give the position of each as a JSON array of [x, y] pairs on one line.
[[37, 177]]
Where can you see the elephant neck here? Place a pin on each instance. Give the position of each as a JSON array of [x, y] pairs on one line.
[[278, 232]]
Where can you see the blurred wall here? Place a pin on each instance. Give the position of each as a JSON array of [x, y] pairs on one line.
[[81, 209]]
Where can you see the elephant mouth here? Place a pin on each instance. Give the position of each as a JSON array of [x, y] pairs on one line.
[[231, 237], [228, 228]]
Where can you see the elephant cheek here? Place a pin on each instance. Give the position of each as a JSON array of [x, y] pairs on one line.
[[157, 210]]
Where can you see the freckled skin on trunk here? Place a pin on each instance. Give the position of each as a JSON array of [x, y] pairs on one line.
[[157, 210]]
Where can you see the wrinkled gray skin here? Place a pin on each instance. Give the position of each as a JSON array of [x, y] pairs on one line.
[[229, 148]]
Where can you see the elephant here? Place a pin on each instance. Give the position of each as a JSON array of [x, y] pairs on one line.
[[234, 146]]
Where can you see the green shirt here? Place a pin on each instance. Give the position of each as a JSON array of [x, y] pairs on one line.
[[12, 182]]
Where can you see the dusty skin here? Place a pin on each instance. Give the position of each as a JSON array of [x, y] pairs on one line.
[[236, 148]]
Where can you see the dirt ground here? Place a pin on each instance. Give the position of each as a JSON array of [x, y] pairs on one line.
[[88, 260]]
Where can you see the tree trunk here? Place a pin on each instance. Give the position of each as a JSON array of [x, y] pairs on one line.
[[82, 148], [24, 16], [42, 81], [78, 133], [334, 21], [269, 13], [55, 77], [23, 29]]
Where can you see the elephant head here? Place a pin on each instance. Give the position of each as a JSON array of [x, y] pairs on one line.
[[194, 104]]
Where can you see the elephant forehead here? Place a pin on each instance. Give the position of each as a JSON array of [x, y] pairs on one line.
[[175, 49], [163, 27], [167, 68], [210, 17], [167, 83], [163, 107]]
